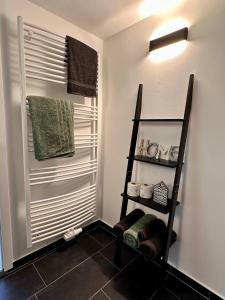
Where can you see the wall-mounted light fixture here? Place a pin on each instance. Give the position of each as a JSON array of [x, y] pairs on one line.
[[168, 39]]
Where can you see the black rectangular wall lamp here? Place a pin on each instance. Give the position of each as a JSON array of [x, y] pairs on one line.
[[174, 37]]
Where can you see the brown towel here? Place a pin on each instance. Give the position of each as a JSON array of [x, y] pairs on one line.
[[156, 227], [156, 245], [82, 68]]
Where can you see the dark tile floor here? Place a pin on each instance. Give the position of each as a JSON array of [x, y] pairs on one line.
[[84, 269]]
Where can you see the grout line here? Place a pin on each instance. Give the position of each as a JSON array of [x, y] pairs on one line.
[[94, 295], [98, 241], [101, 289], [109, 261], [72, 269], [108, 231], [153, 295], [94, 239], [102, 227], [189, 286], [15, 271], [172, 293], [121, 270], [30, 297], [39, 274], [105, 294]]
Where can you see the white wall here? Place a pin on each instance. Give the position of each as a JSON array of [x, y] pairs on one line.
[[199, 222], [31, 13]]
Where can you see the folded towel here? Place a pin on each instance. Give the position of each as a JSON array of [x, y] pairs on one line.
[[82, 68], [156, 227], [131, 234], [53, 127], [156, 245], [128, 221]]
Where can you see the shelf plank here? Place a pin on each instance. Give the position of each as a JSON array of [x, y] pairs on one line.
[[154, 161], [159, 120], [151, 204]]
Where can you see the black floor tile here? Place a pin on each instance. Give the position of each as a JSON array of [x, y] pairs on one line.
[[82, 282], [196, 286], [127, 254], [20, 285], [138, 281], [182, 290], [32, 298], [100, 296], [64, 259], [165, 295], [102, 236]]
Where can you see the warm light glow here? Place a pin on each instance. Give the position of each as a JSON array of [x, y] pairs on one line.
[[169, 27], [168, 52], [173, 50], [152, 7]]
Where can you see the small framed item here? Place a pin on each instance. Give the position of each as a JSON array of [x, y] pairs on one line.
[[164, 152], [160, 193], [152, 150], [141, 147], [173, 154]]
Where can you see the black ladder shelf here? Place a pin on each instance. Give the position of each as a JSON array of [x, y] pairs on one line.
[[172, 203]]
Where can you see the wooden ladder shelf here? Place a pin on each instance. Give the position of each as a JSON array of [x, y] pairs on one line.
[[172, 203]]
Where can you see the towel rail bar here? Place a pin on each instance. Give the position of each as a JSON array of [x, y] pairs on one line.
[[64, 198], [84, 105], [61, 62], [68, 216], [54, 76], [79, 142], [54, 55], [67, 208], [88, 114], [64, 170], [34, 203], [59, 206], [63, 173], [45, 63], [83, 118], [58, 212], [45, 68], [64, 178], [57, 216], [43, 228], [45, 79], [55, 230], [44, 30], [45, 47], [63, 166], [76, 148], [81, 221], [49, 41], [55, 225], [85, 110]]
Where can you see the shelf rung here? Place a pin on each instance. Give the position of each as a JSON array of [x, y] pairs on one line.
[[159, 120], [154, 161], [151, 204]]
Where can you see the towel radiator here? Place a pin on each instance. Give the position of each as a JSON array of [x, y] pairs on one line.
[[42, 59]]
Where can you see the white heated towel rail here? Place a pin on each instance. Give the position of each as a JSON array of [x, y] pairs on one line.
[[43, 58]]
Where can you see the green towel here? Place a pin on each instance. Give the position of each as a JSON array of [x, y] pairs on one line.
[[131, 235], [53, 127]]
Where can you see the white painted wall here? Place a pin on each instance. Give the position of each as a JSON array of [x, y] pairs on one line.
[[199, 251], [31, 13], [6, 255]]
